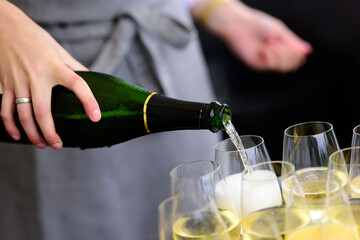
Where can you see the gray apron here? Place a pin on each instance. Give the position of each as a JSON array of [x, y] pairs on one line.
[[109, 193]]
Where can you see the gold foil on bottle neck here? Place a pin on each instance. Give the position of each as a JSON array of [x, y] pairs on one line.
[[144, 111]]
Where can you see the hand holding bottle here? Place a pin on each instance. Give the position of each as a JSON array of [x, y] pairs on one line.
[[31, 64], [128, 112], [258, 39]]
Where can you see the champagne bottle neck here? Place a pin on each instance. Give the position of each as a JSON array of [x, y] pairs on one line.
[[163, 114], [213, 115]]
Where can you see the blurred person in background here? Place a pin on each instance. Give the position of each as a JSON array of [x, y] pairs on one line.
[[325, 88], [112, 193]]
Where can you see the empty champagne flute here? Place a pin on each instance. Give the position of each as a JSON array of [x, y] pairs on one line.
[[356, 137], [232, 166], [272, 201], [194, 216], [308, 146]]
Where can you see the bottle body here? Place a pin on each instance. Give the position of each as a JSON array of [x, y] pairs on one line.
[[127, 112]]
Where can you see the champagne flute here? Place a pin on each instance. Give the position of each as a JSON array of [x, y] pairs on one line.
[[356, 137], [338, 221], [195, 176], [231, 166], [355, 177], [324, 232], [348, 160], [194, 216], [272, 201], [308, 146], [352, 157], [201, 176], [342, 210], [348, 214]]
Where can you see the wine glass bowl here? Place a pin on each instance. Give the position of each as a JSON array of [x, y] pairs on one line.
[[355, 142], [194, 216], [232, 165], [229, 158], [202, 176], [324, 232], [340, 214], [195, 176], [272, 203], [348, 160], [308, 146], [338, 221]]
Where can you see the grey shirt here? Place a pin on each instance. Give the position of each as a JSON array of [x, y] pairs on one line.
[[70, 11]]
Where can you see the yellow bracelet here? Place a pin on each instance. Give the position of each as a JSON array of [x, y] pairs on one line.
[[209, 9]]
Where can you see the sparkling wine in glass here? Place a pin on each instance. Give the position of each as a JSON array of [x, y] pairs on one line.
[[235, 139], [231, 166], [338, 221], [194, 216], [202, 176], [355, 180], [352, 157], [272, 201], [308, 146], [348, 160], [324, 232], [340, 214]]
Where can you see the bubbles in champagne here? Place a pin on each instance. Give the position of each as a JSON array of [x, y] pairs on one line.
[[228, 192], [208, 227], [314, 184], [270, 223], [262, 191]]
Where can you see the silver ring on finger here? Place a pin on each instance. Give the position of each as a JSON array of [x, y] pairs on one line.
[[23, 100]]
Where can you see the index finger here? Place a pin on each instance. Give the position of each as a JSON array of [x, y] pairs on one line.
[[83, 92]]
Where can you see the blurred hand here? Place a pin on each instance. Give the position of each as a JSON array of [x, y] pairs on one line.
[[31, 64], [258, 39]]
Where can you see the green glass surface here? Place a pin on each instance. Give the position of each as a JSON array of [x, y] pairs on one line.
[[122, 105]]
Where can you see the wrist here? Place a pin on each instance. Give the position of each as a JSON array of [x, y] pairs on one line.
[[8, 10], [219, 16], [203, 10]]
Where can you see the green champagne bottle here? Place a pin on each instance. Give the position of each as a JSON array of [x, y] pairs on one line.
[[128, 111]]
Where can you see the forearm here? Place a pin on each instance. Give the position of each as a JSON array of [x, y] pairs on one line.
[[263, 42]]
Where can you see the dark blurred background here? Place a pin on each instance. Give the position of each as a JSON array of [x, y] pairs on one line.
[[324, 89]]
